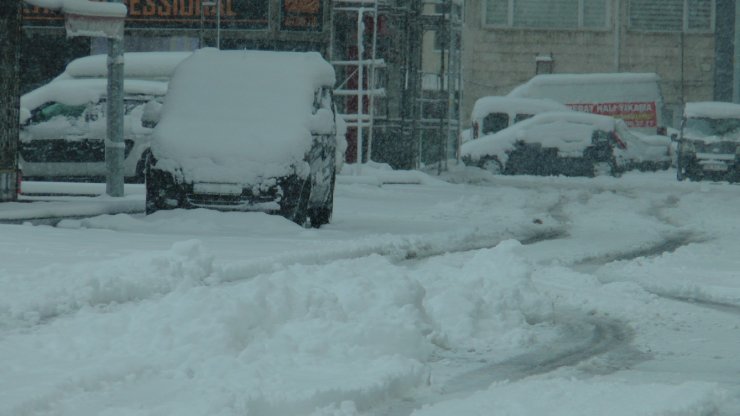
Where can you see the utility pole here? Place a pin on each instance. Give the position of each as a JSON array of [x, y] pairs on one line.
[[114, 145], [10, 33]]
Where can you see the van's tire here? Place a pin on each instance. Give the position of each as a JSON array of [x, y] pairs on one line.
[[294, 205], [141, 165], [161, 191], [322, 214]]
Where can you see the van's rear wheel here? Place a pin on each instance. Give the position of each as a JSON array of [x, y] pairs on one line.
[[322, 215]]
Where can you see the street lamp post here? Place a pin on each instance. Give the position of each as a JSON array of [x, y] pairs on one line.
[[218, 25], [203, 5]]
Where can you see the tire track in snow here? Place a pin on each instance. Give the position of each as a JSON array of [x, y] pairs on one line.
[[581, 338]]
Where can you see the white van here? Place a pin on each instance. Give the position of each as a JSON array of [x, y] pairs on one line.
[[494, 113], [63, 123], [633, 97]]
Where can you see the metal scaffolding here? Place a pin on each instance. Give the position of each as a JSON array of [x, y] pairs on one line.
[[399, 64]]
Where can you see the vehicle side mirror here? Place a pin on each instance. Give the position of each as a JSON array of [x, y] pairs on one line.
[[152, 112]]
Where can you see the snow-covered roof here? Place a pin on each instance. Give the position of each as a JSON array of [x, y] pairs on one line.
[[258, 104], [711, 109], [139, 65], [592, 87], [83, 7], [493, 104], [81, 91]]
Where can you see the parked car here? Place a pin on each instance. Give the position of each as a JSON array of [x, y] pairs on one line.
[[494, 113], [552, 143], [247, 131], [63, 123], [709, 142], [645, 152]]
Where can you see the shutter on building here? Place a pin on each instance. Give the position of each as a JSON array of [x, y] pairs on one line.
[[656, 15], [700, 15], [668, 15], [594, 14], [497, 12], [555, 14]]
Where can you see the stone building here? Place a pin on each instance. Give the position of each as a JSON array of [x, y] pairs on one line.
[[688, 43]]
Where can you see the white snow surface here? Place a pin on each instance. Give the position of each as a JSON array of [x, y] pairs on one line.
[[711, 109], [593, 87], [513, 105], [83, 7], [87, 90], [202, 313], [259, 106], [157, 66]]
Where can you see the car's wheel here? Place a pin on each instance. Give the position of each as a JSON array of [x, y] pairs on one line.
[[322, 214], [161, 191], [294, 205], [140, 175], [492, 164]]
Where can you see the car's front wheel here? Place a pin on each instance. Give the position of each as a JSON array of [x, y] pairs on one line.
[[296, 196], [161, 191], [322, 214], [492, 164]]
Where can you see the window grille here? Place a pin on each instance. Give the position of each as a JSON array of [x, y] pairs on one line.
[[671, 15], [547, 14]]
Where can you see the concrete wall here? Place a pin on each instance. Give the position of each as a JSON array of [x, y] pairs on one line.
[[497, 60]]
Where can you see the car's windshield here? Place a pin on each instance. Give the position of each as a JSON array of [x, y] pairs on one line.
[[725, 128]]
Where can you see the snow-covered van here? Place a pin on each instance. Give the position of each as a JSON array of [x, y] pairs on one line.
[[492, 114], [63, 123], [635, 98], [246, 130], [709, 142]]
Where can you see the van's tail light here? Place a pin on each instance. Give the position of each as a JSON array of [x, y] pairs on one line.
[[618, 140]]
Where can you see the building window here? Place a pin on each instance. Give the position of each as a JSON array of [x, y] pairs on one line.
[[671, 15], [547, 14]]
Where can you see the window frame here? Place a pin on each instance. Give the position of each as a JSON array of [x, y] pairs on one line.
[[684, 23], [608, 23]]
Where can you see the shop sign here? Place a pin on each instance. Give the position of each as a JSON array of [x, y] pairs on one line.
[[302, 15], [173, 14], [634, 114]]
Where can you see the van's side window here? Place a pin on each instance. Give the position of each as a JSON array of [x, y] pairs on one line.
[[495, 122], [521, 116]]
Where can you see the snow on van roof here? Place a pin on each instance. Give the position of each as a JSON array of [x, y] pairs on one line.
[[496, 103], [711, 109], [226, 110], [82, 91], [614, 87], [139, 65]]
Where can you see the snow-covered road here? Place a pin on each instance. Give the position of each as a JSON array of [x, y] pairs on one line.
[[466, 294]]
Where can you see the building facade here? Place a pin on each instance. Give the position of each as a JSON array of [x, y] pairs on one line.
[[688, 43]]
